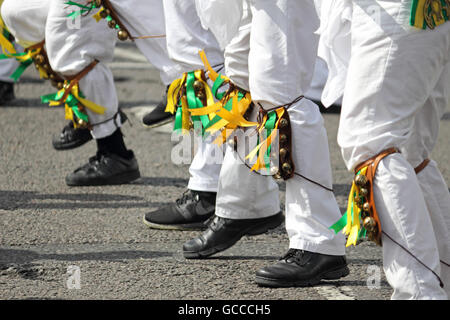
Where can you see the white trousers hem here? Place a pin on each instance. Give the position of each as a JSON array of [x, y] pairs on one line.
[[303, 244], [229, 213]]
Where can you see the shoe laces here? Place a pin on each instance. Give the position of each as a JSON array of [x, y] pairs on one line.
[[297, 256], [215, 222], [188, 195]]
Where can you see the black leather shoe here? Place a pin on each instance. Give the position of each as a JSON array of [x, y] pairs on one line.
[[71, 138], [105, 169], [6, 92], [158, 116], [223, 233], [187, 213], [299, 268]]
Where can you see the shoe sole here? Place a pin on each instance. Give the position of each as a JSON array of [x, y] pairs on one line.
[[158, 124], [123, 178], [69, 146], [198, 226], [334, 274], [251, 231]]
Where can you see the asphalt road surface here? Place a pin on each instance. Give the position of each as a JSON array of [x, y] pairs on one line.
[[52, 235]]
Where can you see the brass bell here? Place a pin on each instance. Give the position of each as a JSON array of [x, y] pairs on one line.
[[359, 204], [46, 67], [283, 123], [283, 152], [369, 224], [283, 138], [39, 59], [122, 35], [277, 175], [201, 95], [60, 85], [287, 168], [198, 86], [52, 76], [364, 214], [98, 3], [274, 170], [112, 24], [363, 192], [366, 207], [360, 180], [82, 123]]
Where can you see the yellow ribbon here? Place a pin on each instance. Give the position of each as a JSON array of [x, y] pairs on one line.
[[435, 17], [353, 222], [97, 16], [173, 92], [75, 91], [7, 46], [263, 146]]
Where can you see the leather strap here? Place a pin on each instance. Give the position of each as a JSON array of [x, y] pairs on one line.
[[76, 78], [382, 154], [36, 46], [421, 166], [113, 13], [372, 165], [286, 131]]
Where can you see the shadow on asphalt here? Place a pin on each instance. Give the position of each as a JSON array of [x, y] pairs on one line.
[[10, 257], [271, 258], [353, 283], [162, 181], [15, 200]]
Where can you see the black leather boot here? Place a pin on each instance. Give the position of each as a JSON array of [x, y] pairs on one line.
[[222, 233], [299, 268], [187, 213]]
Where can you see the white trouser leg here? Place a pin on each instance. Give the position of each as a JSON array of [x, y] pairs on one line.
[[243, 194], [72, 50], [206, 165], [434, 188], [26, 19], [437, 199], [409, 224], [186, 36], [378, 113], [146, 18], [287, 73], [311, 209]]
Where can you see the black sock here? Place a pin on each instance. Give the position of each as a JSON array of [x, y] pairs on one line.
[[114, 144]]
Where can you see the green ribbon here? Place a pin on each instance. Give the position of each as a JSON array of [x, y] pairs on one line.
[[178, 118], [84, 9], [71, 101], [228, 106], [216, 85], [194, 102], [340, 224], [269, 126], [21, 68]]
